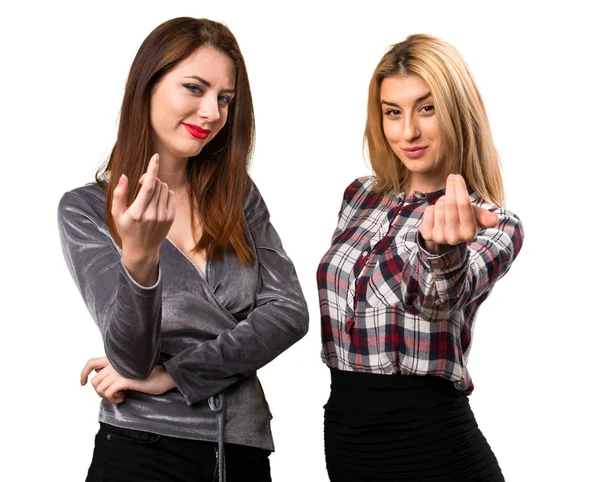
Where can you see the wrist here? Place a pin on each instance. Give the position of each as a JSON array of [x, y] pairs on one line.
[[166, 381], [141, 265], [435, 248]]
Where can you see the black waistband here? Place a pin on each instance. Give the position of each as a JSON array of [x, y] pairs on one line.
[[355, 391]]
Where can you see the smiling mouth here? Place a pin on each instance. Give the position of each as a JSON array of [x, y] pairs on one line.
[[414, 152], [196, 131]]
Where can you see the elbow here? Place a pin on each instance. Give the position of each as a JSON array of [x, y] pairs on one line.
[[302, 326], [131, 363], [298, 323]]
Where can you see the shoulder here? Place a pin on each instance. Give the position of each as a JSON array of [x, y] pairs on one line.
[[255, 209], [88, 200], [358, 189]]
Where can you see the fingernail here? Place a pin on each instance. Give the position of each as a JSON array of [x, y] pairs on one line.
[[456, 178]]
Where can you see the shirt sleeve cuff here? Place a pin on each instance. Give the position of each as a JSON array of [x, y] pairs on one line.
[[138, 288], [180, 382], [441, 264]]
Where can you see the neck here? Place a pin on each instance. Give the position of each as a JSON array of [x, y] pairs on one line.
[[423, 183], [173, 172]]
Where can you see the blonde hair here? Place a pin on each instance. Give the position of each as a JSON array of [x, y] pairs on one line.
[[464, 127]]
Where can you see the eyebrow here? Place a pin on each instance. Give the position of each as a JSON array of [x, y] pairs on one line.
[[207, 83], [420, 99]]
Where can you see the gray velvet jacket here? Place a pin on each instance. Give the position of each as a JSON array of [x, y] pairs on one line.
[[212, 333]]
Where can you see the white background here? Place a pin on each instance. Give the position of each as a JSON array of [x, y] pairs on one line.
[[534, 361]]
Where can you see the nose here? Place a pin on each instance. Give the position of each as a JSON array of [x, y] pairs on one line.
[[410, 129], [209, 108]]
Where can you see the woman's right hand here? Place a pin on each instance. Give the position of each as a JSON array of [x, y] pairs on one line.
[[145, 224], [112, 386]]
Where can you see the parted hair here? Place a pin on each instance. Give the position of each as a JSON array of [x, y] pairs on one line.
[[464, 127], [217, 177]]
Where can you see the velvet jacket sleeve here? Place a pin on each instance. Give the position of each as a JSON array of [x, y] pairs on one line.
[[127, 314], [279, 319]]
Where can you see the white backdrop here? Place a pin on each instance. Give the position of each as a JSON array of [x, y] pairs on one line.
[[534, 360]]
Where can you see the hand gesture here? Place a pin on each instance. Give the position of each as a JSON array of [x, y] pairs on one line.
[[112, 386], [453, 219], [145, 224]]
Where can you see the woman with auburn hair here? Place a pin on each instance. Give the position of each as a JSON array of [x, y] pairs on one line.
[[176, 259], [417, 249]]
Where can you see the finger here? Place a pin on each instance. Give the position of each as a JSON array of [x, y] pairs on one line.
[[104, 386], [439, 221], [451, 213], [91, 365], [113, 389], [151, 211], [485, 218], [463, 201], [171, 206], [154, 204], [99, 378], [162, 210], [426, 228], [468, 223], [146, 193], [119, 197]]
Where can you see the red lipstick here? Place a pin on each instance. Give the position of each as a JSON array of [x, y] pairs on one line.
[[414, 152], [196, 131]]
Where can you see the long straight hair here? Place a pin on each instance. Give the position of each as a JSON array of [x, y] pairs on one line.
[[217, 177], [464, 126]]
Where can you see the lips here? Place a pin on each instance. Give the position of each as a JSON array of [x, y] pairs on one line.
[[414, 152], [196, 131]]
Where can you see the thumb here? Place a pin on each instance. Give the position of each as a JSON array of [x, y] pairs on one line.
[[485, 218], [119, 198]]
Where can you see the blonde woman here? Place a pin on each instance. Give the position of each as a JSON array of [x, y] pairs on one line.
[[417, 249]]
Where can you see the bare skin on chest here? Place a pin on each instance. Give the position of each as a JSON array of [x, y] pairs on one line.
[[185, 234]]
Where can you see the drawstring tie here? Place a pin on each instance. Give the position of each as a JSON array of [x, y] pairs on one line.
[[216, 405]]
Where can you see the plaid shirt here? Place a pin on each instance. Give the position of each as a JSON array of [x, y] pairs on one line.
[[387, 305]]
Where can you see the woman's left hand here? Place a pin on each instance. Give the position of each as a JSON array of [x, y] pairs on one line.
[[111, 385], [453, 219]]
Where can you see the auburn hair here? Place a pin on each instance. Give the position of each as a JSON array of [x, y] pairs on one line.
[[217, 177]]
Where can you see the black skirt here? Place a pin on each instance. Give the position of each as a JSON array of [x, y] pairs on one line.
[[403, 428]]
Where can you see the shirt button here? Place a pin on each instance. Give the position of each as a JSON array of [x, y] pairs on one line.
[[364, 254]]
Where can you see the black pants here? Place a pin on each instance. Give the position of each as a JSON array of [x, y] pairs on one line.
[[125, 455]]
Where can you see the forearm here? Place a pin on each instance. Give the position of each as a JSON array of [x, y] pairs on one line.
[[127, 314], [141, 265], [132, 326], [435, 285], [210, 367]]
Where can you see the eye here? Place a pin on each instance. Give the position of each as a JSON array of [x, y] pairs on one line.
[[392, 113], [193, 88], [225, 100], [428, 109]]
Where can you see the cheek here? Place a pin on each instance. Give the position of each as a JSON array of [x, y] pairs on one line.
[[390, 130], [432, 128]]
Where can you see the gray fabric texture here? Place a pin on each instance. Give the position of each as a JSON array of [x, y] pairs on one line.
[[211, 332]]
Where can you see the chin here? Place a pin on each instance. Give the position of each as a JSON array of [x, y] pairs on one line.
[[420, 167], [191, 150]]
